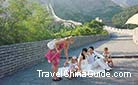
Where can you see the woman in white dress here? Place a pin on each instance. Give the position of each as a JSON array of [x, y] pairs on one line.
[[85, 65], [82, 60]]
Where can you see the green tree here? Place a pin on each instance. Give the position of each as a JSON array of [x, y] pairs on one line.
[[24, 21]]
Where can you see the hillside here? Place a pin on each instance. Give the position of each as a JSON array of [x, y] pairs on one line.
[[120, 19], [126, 3], [85, 10], [28, 21]]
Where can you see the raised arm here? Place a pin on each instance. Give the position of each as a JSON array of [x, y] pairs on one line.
[[66, 48], [79, 62]]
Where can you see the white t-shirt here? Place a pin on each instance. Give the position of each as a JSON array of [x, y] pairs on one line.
[[94, 56], [73, 66]]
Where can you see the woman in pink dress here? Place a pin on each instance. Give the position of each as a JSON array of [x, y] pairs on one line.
[[53, 54]]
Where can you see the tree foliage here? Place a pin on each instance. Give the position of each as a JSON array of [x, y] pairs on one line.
[[89, 28], [24, 21]]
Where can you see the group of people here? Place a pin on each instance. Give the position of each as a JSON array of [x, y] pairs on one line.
[[88, 59]]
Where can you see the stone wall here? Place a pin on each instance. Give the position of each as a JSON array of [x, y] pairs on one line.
[[20, 56], [83, 40], [119, 31], [135, 36]]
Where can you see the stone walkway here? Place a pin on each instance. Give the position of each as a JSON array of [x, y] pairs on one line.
[[30, 76], [118, 45]]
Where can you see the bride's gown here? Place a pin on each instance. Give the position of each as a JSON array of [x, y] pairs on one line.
[[85, 67]]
